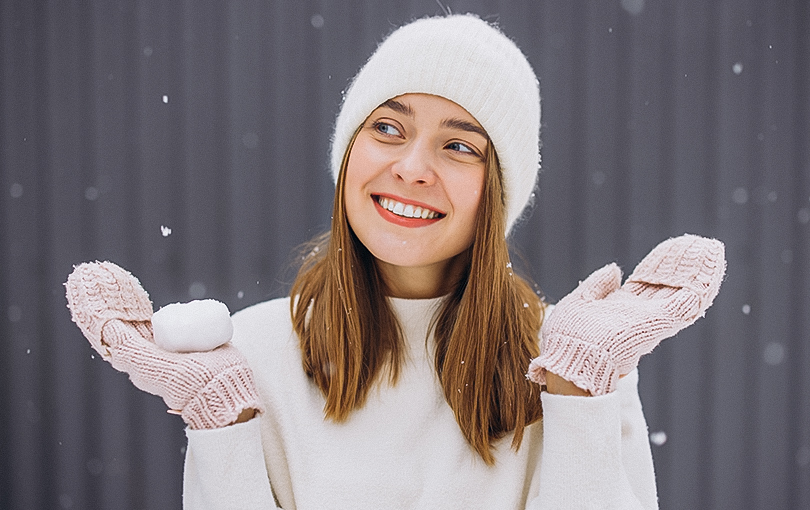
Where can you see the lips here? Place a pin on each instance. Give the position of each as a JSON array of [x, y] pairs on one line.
[[406, 214]]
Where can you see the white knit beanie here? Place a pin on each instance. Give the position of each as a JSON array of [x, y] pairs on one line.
[[468, 61]]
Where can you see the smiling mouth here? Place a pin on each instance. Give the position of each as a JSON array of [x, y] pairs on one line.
[[407, 210]]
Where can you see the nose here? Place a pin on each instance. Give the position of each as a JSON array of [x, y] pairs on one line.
[[415, 166]]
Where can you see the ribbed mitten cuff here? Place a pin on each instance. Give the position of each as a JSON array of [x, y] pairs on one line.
[[222, 400], [586, 365]]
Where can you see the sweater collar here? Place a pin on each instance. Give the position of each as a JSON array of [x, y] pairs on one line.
[[415, 315]]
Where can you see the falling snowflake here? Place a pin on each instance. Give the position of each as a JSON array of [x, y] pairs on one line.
[[658, 438], [740, 196], [774, 353], [16, 190], [197, 290]]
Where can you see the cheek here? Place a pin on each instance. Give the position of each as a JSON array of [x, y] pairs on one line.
[[361, 167], [360, 172], [469, 194], [351, 195]]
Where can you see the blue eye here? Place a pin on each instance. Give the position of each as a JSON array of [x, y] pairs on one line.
[[460, 147], [386, 129]]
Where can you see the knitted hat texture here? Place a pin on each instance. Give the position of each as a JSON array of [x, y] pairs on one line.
[[472, 63]]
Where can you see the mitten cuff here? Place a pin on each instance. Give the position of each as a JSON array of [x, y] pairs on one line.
[[582, 363], [222, 400]]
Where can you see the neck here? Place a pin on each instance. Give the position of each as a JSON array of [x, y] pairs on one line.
[[423, 282]]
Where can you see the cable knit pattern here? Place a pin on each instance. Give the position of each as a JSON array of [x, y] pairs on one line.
[[598, 332], [113, 311], [102, 291]]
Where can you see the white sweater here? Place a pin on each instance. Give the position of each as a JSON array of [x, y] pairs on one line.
[[403, 449]]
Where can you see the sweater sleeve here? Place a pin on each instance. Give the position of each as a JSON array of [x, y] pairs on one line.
[[636, 452], [225, 469], [596, 452]]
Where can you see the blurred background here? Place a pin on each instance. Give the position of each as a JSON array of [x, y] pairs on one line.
[[187, 141]]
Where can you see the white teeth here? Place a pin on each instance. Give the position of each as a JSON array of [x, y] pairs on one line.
[[408, 211]]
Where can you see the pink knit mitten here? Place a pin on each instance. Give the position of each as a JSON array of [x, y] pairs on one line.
[[598, 332], [209, 389]]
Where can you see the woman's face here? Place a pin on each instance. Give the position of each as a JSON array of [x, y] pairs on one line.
[[412, 188]]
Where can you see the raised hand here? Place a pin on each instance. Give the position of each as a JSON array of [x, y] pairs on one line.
[[208, 389], [598, 332]]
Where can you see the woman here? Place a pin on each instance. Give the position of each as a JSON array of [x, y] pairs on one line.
[[394, 377]]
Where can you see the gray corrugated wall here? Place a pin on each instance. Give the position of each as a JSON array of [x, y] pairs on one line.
[[213, 118]]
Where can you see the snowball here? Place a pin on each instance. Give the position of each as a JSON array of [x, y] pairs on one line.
[[196, 326]]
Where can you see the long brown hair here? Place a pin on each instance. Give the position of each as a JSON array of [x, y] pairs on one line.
[[485, 331]]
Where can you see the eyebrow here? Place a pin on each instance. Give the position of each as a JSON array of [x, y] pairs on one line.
[[399, 107], [463, 125], [452, 123]]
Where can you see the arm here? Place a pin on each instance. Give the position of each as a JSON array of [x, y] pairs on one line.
[[595, 453], [636, 453], [595, 449], [225, 469], [213, 391]]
